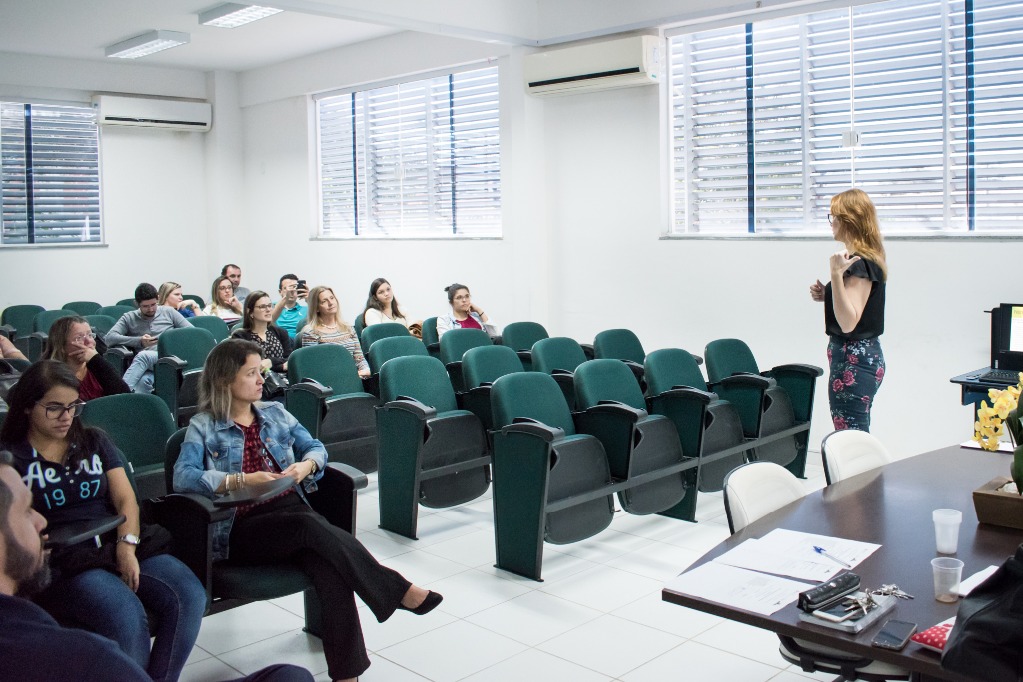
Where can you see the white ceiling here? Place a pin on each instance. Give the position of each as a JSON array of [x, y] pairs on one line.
[[82, 29]]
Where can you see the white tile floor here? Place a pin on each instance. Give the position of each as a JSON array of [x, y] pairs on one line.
[[598, 615]]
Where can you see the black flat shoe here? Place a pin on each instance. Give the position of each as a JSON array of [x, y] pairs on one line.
[[432, 601]]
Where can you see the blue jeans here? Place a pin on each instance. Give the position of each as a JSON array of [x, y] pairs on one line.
[[139, 375], [100, 602]]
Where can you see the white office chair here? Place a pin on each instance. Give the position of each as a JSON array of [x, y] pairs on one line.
[[850, 452], [754, 490]]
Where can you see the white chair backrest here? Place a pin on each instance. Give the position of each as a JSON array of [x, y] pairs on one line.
[[850, 452], [756, 489]]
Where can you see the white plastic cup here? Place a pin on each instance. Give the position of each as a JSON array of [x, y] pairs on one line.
[[948, 572], [946, 529]]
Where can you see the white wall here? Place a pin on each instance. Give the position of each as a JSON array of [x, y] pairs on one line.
[[153, 184]]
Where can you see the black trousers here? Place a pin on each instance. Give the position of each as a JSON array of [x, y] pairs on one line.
[[286, 529]]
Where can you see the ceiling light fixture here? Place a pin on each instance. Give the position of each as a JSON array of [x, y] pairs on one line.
[[147, 44], [232, 15]]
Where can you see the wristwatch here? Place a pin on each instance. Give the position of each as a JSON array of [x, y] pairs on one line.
[[129, 539]]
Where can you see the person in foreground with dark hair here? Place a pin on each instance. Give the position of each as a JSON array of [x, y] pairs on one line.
[[139, 331], [464, 313], [72, 341], [76, 474], [33, 647], [235, 441]]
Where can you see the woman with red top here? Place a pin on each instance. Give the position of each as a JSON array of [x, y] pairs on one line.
[[235, 440], [464, 313], [72, 342]]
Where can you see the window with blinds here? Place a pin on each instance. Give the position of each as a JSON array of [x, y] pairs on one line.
[[49, 174], [416, 159], [917, 102]]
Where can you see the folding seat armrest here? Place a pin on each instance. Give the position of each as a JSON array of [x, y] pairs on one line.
[[253, 494], [689, 393], [353, 478], [562, 373], [637, 369], [433, 348], [73, 533], [618, 409], [313, 387], [796, 368], [698, 358], [588, 350], [173, 361], [746, 380], [10, 332], [532, 427], [117, 351], [412, 406], [336, 494], [526, 355]]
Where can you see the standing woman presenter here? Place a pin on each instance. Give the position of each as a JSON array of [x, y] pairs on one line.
[[854, 310]]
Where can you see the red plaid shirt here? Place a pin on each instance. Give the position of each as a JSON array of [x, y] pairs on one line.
[[253, 461]]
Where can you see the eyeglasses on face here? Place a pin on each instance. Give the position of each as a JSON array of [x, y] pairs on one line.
[[56, 410], [831, 219], [225, 287], [81, 338], [463, 297], [263, 306]]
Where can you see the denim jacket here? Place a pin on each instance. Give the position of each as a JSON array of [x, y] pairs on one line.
[[214, 448]]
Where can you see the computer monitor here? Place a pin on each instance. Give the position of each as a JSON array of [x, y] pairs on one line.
[[1007, 337]]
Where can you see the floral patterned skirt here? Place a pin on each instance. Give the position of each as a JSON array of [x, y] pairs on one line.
[[857, 369]]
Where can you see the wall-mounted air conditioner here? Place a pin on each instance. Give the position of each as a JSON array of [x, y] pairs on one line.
[[618, 63], [148, 112]]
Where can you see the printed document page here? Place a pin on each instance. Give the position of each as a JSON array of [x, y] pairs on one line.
[[737, 587]]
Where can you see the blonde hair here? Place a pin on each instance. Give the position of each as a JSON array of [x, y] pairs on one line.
[[60, 333], [214, 293], [857, 223], [222, 366], [313, 314], [166, 289]]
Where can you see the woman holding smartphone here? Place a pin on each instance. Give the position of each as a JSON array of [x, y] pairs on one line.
[[464, 313], [236, 440]]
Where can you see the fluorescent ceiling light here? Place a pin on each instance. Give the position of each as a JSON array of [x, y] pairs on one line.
[[147, 44], [232, 14]]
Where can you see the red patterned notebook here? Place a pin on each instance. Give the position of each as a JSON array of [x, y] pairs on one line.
[[934, 638]]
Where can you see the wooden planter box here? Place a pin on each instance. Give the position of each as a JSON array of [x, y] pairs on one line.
[[998, 508]]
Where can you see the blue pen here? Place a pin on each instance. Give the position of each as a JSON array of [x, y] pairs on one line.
[[820, 550]]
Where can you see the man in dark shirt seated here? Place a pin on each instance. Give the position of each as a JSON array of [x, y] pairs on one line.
[[33, 647]]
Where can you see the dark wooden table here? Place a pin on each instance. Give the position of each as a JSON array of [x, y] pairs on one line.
[[890, 506]]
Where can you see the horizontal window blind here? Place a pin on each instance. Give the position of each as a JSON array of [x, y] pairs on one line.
[[417, 159], [49, 170], [876, 96]]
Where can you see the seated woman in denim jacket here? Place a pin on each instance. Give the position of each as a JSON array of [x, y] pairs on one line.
[[236, 441], [464, 313], [75, 474]]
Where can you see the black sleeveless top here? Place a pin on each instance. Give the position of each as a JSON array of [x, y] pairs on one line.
[[871, 322]]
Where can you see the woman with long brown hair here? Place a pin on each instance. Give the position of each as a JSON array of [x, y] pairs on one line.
[[854, 309]]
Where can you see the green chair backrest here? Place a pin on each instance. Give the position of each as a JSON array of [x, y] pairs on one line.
[[597, 380], [430, 331], [115, 311], [138, 424], [100, 324], [667, 368], [328, 363], [393, 347], [130, 302], [190, 344], [197, 298], [358, 325], [618, 344], [726, 357], [20, 317], [486, 364], [83, 308], [522, 335], [557, 352], [384, 330], [455, 342], [531, 395], [420, 377], [214, 325], [44, 320]]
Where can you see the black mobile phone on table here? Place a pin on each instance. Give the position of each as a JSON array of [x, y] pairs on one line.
[[894, 635]]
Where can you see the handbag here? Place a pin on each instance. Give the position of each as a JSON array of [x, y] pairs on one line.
[[988, 632], [70, 561], [8, 377], [275, 384]]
